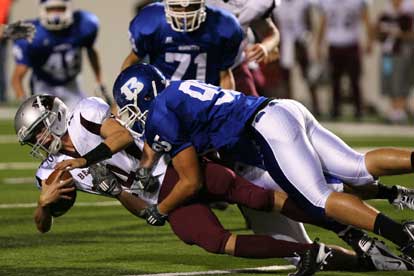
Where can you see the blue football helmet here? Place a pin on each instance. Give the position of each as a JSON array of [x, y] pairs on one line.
[[134, 90]]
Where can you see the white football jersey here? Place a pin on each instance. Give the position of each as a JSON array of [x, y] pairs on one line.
[[343, 24], [290, 17], [246, 11], [83, 128]]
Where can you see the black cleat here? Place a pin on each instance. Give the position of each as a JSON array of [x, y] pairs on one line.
[[408, 250], [313, 260]]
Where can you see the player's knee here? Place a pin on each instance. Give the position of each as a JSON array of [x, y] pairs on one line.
[[219, 179], [263, 200], [215, 243]]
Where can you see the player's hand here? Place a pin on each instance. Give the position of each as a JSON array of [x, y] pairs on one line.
[[257, 52], [153, 216], [146, 181], [71, 164], [56, 190], [104, 180], [19, 30]]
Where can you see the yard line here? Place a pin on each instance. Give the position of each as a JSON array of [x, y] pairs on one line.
[[18, 180], [33, 205], [8, 139], [19, 165], [273, 268]]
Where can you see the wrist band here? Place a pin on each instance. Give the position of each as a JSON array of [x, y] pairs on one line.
[[101, 152]]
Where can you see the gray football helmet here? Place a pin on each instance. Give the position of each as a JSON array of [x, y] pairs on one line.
[[40, 122]]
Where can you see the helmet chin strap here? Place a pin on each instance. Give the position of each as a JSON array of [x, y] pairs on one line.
[[154, 88], [55, 145]]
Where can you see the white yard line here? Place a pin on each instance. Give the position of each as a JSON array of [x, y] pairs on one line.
[[8, 139], [33, 205], [18, 180], [19, 165], [274, 268]]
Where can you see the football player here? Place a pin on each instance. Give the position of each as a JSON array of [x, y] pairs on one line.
[[294, 19], [55, 54], [186, 40], [254, 15], [340, 25], [187, 118], [395, 32], [92, 133]]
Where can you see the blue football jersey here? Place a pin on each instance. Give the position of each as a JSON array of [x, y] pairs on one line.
[[192, 113], [55, 56], [200, 54]]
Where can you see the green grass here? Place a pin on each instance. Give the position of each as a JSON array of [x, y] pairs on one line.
[[110, 241]]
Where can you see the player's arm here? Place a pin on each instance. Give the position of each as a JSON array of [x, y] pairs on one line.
[[20, 71], [321, 36], [132, 203], [2, 26], [227, 79], [95, 62], [187, 165], [131, 59], [116, 138], [268, 46], [49, 194]]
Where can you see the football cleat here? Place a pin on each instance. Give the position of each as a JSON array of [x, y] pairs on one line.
[[377, 255], [404, 199], [408, 250], [313, 260]]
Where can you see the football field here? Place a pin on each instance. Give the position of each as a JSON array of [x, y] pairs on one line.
[[99, 237]]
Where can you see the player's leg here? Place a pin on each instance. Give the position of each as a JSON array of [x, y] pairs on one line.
[[197, 224], [336, 67], [293, 162], [359, 170], [353, 70]]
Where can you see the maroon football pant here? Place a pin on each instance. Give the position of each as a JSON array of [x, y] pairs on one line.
[[195, 223], [244, 80]]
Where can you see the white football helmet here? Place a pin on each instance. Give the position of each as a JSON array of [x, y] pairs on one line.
[[185, 15], [56, 15], [40, 122]]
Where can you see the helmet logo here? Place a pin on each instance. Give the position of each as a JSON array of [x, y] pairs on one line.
[[131, 89]]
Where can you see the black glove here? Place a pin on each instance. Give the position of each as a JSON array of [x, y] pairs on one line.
[[146, 181], [19, 30], [104, 180], [153, 216]]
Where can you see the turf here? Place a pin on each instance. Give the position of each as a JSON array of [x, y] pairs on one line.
[[110, 241]]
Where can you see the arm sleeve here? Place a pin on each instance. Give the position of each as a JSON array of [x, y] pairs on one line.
[[231, 47], [90, 25], [140, 42], [169, 136]]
